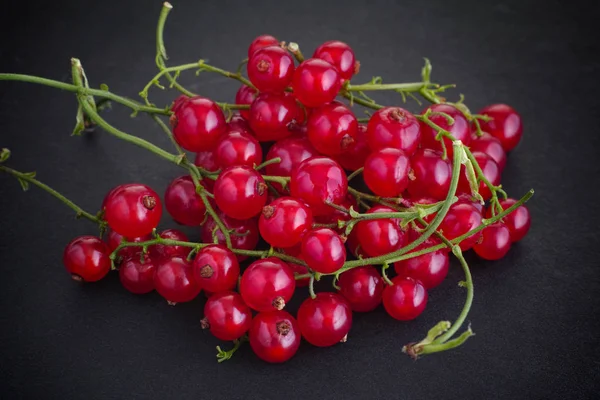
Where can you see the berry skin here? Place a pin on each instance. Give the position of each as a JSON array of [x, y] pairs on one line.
[[216, 269], [113, 240], [183, 203], [87, 258], [405, 299], [245, 96], [316, 82], [432, 175], [490, 170], [133, 210], [386, 172], [338, 54], [394, 127], [206, 160], [274, 336], [380, 236], [160, 251], [227, 316], [332, 128], [325, 320], [494, 242], [174, 280], [292, 152], [323, 250], [300, 270], [240, 192], [362, 287], [354, 157], [271, 115], [239, 122], [244, 235], [518, 222], [271, 69], [267, 284], [491, 146], [317, 180], [197, 124], [137, 277], [461, 218], [260, 42], [284, 221], [238, 148], [460, 129], [430, 269], [506, 125]]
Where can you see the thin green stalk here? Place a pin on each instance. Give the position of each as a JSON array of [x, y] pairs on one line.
[[355, 173], [405, 87]]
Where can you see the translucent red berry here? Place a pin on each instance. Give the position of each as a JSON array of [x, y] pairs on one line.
[[431, 175], [491, 146], [394, 127], [87, 258], [267, 284], [461, 218], [325, 320], [137, 276], [133, 210], [272, 114], [174, 280], [332, 128], [405, 299], [323, 250], [245, 96], [291, 151], [274, 336], [227, 316], [362, 287], [113, 240], [238, 148], [160, 251], [316, 82], [261, 42], [518, 221], [183, 203], [505, 125], [284, 221], [197, 124], [244, 235], [240, 192], [494, 242], [459, 129], [338, 54], [216, 268], [206, 160], [386, 172], [354, 156], [380, 236], [430, 269], [271, 69]]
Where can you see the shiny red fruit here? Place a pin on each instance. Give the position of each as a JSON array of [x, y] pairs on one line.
[[267, 284], [386, 172], [160, 251], [274, 336], [338, 54], [133, 210], [394, 127], [261, 42], [467, 198], [197, 124], [300, 270], [325, 320], [87, 258], [491, 146], [317, 180], [518, 221], [332, 128], [271, 115], [490, 170], [113, 240], [494, 242], [405, 299], [216, 268], [316, 82], [432, 175], [245, 96], [238, 148], [183, 203], [227, 316], [137, 276], [240, 192], [430, 269], [284, 221], [206, 160], [239, 122], [460, 129], [271, 69], [362, 287], [291, 151], [174, 280], [380, 236], [506, 124], [243, 237], [354, 157], [461, 218], [323, 250]]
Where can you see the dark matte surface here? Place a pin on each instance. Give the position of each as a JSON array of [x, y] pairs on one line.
[[535, 312]]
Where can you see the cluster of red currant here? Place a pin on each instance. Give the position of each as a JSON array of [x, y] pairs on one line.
[[429, 176]]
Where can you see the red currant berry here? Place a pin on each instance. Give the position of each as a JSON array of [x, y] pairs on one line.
[[432, 175], [291, 151], [461, 218], [362, 287], [332, 128], [238, 148], [113, 240], [494, 242], [206, 160], [174, 280], [216, 268], [178, 102], [244, 234], [274, 336], [405, 299], [380, 236], [160, 251], [491, 146], [133, 210], [506, 124], [183, 203], [460, 129], [430, 269], [323, 250], [245, 96], [316, 82], [198, 124], [87, 258], [353, 245], [394, 127], [260, 42], [137, 276], [467, 198], [227, 316], [318, 180], [267, 284], [518, 221], [272, 114], [271, 69], [240, 192], [239, 123], [325, 320], [300, 270], [283, 222], [338, 54], [490, 170], [354, 157], [386, 172]]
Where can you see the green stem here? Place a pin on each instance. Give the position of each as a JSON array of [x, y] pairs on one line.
[[404, 87], [355, 173], [311, 286], [211, 211], [275, 160]]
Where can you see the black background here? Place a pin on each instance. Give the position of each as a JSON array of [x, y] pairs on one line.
[[535, 312]]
